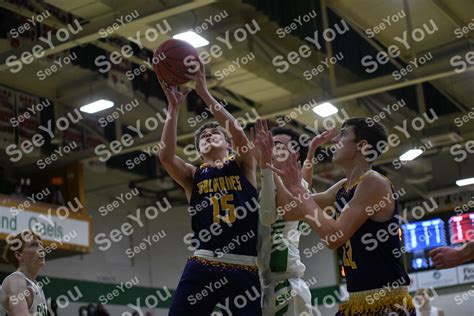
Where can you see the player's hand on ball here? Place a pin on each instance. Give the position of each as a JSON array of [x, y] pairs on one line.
[[322, 138], [263, 143], [289, 172], [173, 94], [446, 257], [200, 78]]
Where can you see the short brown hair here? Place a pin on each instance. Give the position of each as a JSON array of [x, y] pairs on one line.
[[10, 249], [201, 129]]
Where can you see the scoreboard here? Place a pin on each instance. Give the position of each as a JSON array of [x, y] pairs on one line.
[[424, 235], [461, 228]]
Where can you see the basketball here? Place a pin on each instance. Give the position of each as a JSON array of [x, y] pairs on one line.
[[173, 60]]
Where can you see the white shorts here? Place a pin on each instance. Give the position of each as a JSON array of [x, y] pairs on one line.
[[289, 297]]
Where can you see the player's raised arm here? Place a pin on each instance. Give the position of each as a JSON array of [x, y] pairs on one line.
[[308, 164], [263, 141], [225, 119], [369, 192], [179, 170], [15, 289]]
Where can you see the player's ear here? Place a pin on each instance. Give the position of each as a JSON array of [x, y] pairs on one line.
[[362, 144], [18, 255]]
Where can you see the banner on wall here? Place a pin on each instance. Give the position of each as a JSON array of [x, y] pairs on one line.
[[50, 227]]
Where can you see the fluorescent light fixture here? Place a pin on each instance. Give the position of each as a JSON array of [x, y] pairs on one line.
[[192, 38], [325, 109], [464, 182], [411, 154], [96, 106]]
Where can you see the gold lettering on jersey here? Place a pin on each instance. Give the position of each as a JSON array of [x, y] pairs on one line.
[[225, 183]]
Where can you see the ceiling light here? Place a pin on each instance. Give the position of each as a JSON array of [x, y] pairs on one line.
[[192, 38], [411, 154], [96, 106], [464, 182], [325, 109]]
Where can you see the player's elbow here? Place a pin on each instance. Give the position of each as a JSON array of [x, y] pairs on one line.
[[334, 242], [165, 157]]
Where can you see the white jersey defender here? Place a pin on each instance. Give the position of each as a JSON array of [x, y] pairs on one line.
[[284, 293], [39, 305]]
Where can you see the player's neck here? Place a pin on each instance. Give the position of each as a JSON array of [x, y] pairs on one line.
[[214, 156], [355, 171], [30, 272]]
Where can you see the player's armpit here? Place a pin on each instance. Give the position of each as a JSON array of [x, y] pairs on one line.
[[17, 291], [181, 172], [369, 191]]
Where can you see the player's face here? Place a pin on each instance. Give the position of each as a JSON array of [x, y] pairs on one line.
[[283, 147], [33, 252], [345, 146], [211, 138]]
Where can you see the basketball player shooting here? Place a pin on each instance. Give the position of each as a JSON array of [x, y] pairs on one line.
[[222, 192], [376, 280], [20, 294]]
